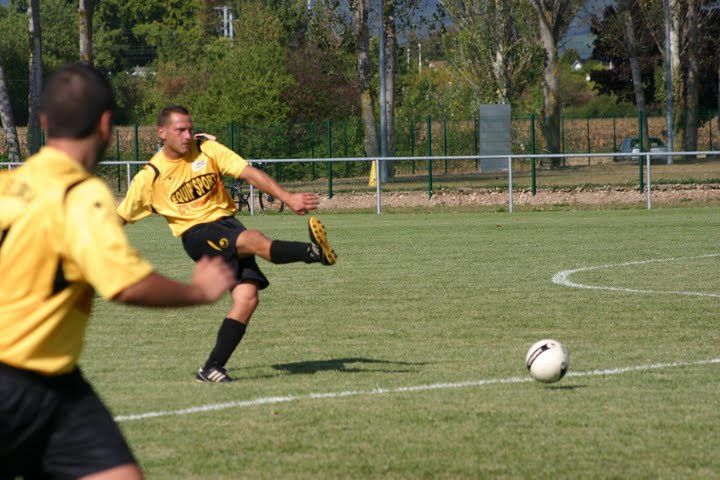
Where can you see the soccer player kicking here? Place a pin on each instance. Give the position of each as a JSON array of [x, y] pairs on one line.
[[60, 239], [183, 183]]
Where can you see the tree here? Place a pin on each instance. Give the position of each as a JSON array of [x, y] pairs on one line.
[[692, 118], [7, 119], [361, 9], [611, 47], [496, 33], [59, 33], [554, 17], [14, 48], [35, 67], [390, 32], [85, 11], [326, 86], [132, 33], [240, 80], [626, 8]]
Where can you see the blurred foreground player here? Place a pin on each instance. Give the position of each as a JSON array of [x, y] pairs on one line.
[[60, 239]]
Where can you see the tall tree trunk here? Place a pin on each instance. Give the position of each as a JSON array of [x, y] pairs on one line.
[[361, 9], [389, 26], [35, 75], [551, 83], [85, 10], [718, 99], [677, 76], [691, 119], [7, 119], [625, 7], [501, 19]]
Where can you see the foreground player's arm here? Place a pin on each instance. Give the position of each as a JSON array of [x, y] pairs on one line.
[[300, 203], [98, 247], [212, 278]]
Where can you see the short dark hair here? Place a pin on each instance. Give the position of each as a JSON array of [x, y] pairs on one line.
[[74, 99], [167, 111]]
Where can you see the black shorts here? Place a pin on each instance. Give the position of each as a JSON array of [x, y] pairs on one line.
[[218, 238], [55, 427]]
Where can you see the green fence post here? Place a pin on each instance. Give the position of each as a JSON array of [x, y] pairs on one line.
[[614, 136], [562, 134], [428, 152], [642, 148], [313, 176], [276, 152], [533, 151], [445, 143], [239, 138], [710, 119], [117, 156], [136, 147], [232, 136], [412, 144], [589, 148], [476, 146], [330, 154], [346, 152]]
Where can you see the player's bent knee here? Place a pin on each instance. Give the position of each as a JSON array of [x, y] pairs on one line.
[[253, 242]]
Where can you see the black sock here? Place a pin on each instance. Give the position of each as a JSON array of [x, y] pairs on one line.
[[282, 251], [228, 337]]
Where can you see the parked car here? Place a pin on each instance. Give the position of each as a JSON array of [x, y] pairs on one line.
[[632, 145]]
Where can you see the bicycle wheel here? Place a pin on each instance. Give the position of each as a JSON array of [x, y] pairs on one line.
[[241, 201], [269, 203]]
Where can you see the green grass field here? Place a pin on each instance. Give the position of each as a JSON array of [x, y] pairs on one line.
[[432, 300]]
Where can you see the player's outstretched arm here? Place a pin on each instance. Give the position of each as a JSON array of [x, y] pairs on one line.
[[300, 203], [212, 277]]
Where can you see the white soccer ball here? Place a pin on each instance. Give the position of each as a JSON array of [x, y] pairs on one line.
[[547, 360]]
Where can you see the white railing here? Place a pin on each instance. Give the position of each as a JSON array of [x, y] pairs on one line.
[[510, 158]]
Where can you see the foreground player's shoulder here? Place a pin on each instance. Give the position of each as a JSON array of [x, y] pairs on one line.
[[92, 197]]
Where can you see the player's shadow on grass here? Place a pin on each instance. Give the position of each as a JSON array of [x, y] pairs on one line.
[[351, 365]]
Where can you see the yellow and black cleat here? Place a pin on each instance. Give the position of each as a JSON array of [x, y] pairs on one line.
[[318, 237]]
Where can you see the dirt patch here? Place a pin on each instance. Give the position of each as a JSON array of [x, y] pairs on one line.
[[662, 195]]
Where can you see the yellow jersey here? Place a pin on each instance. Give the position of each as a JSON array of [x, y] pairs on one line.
[[60, 239], [187, 191]]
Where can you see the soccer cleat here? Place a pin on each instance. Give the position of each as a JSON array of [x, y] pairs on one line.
[[320, 249], [213, 375]]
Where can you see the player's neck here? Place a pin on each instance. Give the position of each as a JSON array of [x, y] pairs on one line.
[[83, 151]]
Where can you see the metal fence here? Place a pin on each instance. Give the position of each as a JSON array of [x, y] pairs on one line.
[[417, 136], [526, 172]]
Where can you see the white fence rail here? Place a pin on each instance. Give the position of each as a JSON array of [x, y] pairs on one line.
[[511, 159]]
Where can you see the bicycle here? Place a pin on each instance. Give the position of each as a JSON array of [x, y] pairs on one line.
[[268, 203], [238, 195]]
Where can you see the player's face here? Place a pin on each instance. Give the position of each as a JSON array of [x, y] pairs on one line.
[[176, 134]]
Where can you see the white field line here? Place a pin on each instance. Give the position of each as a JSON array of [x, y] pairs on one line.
[[382, 391], [563, 278]]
